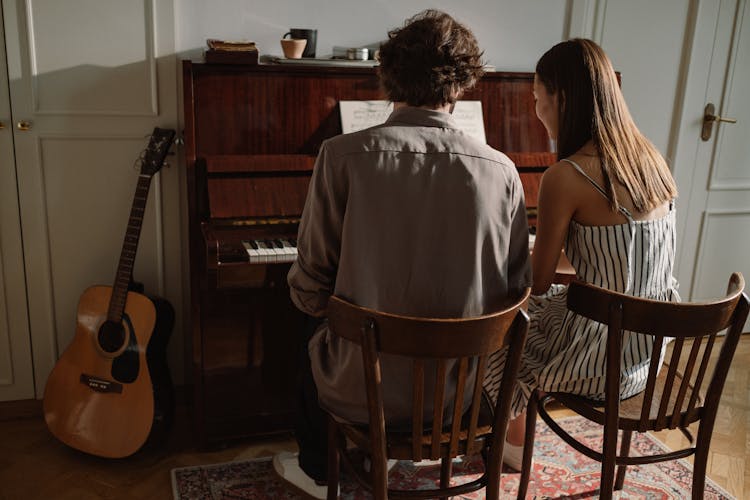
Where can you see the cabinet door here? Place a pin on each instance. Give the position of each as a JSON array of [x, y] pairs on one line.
[[89, 79], [16, 376]]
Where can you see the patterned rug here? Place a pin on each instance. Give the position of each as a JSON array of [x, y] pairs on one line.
[[559, 472]]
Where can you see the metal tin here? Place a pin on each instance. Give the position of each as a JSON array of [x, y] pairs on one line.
[[357, 54]]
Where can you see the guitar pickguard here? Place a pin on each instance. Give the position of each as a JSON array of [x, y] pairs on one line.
[[125, 367]]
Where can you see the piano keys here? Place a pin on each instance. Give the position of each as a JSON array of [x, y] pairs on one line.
[[271, 250], [280, 250]]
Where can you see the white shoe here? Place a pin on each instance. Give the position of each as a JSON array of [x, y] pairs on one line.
[[513, 456], [391, 464], [286, 465], [427, 463]]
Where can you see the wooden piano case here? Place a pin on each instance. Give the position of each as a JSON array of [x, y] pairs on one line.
[[251, 136]]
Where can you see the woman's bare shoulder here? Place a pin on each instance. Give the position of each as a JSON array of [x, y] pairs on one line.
[[561, 175]]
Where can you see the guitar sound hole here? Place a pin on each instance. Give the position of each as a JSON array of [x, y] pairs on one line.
[[111, 336]]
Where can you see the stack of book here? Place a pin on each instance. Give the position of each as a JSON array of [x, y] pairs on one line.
[[231, 52]]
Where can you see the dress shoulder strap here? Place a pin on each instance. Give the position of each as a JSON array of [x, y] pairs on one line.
[[601, 190]]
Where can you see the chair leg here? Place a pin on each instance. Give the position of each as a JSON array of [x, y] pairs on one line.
[[608, 464], [333, 459], [493, 465], [624, 452], [379, 474], [699, 469], [446, 470], [492, 489], [528, 444]]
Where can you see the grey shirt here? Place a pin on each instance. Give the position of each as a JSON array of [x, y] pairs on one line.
[[409, 217]]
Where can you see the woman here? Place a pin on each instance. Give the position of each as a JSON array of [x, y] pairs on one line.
[[609, 202]]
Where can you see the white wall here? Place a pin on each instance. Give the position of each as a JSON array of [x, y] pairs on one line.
[[513, 33]]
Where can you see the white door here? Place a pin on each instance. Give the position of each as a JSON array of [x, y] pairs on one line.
[[89, 79], [16, 375], [714, 175]]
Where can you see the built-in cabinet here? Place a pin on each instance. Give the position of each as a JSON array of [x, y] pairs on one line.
[[87, 81]]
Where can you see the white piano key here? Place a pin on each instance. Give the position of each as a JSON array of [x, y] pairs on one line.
[[253, 253], [292, 244], [287, 250], [266, 253], [274, 252]]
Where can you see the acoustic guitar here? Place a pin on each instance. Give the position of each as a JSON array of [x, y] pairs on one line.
[[110, 390]]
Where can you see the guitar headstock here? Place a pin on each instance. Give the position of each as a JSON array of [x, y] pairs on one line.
[[158, 147]]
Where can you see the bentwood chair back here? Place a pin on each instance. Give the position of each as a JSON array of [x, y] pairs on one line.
[[438, 344], [685, 391]]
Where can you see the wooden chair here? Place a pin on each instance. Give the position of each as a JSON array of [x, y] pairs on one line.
[[675, 396], [428, 341]]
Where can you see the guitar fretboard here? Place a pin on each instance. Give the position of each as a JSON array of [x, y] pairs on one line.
[[129, 249]]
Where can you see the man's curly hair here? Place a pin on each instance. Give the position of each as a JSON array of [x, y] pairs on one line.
[[429, 61]]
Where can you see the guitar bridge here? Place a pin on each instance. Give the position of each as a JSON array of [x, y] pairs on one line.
[[100, 385]]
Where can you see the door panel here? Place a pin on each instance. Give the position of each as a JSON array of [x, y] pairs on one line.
[[85, 238], [731, 166], [717, 249], [87, 74]]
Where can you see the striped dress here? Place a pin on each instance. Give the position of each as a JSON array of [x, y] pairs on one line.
[[566, 352]]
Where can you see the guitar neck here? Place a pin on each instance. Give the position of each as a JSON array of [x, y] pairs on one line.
[[129, 249]]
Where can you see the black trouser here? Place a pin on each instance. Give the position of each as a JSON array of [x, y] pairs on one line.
[[311, 423]]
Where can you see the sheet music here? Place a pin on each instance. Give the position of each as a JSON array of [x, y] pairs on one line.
[[358, 115], [468, 116]]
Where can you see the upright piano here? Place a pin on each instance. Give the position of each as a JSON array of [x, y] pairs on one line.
[[251, 137]]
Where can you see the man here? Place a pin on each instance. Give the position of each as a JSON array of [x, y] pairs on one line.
[[410, 217]]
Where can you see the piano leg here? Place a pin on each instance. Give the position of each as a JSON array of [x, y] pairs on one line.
[[256, 339]]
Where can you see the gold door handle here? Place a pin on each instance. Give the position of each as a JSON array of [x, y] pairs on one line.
[[709, 118], [23, 125], [2, 126]]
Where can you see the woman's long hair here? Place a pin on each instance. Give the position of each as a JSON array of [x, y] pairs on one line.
[[592, 107]]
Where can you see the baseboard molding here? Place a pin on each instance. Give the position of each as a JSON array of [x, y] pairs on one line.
[[32, 408], [25, 408]]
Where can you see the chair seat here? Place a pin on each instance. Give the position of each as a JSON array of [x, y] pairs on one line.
[[399, 445], [630, 408]]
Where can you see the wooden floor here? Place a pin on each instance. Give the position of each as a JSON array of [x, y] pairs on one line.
[[33, 465]]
